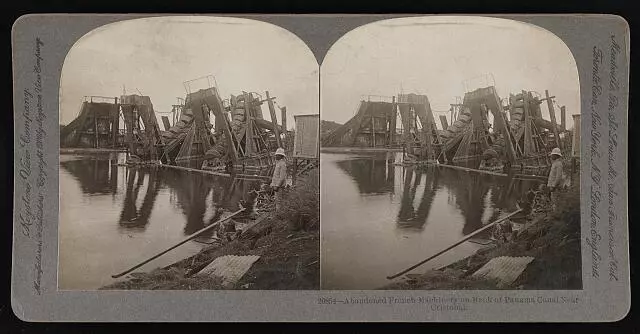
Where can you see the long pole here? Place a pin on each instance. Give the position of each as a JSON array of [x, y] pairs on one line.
[[176, 245], [480, 230], [203, 171]]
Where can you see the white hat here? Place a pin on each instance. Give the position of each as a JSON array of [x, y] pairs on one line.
[[556, 151], [280, 151]]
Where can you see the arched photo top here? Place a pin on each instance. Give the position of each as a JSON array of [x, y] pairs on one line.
[[155, 56], [444, 56]]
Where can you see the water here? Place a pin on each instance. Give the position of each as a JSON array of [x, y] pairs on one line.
[[113, 217], [379, 219]]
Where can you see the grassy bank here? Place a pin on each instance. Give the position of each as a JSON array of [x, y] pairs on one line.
[[287, 241], [551, 236]]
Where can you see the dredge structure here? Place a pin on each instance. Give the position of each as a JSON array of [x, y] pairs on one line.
[[95, 126], [484, 133], [405, 120], [226, 136]]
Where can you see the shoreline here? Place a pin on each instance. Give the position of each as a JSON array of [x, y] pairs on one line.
[[552, 238], [287, 242]]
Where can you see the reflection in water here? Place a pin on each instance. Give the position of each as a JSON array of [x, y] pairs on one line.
[[373, 176], [474, 194], [191, 191], [469, 191], [130, 216], [379, 218], [112, 216], [408, 217], [95, 176]]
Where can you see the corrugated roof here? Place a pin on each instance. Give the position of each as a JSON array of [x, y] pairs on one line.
[[505, 269], [230, 267]]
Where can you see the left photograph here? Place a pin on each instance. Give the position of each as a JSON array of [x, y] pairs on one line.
[[189, 154]]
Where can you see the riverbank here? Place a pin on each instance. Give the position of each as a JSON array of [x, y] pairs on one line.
[[551, 237], [286, 240]]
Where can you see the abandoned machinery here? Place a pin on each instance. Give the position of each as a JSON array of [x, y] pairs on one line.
[[237, 138], [520, 141]]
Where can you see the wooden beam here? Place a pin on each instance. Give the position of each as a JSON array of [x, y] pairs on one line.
[[274, 120], [283, 118], [215, 104], [95, 121], [443, 121], [165, 122], [233, 139], [392, 123], [552, 114], [373, 132], [249, 128], [115, 122], [527, 126]]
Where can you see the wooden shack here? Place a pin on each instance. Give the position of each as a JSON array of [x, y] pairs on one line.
[[307, 139]]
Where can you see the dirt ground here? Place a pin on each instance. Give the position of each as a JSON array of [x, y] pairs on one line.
[[552, 237], [288, 244]]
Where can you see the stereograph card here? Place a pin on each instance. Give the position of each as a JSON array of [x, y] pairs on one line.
[[459, 168]]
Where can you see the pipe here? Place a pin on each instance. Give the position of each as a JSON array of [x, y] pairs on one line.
[[515, 176], [237, 176], [178, 244], [476, 232]]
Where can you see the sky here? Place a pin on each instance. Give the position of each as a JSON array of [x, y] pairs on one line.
[[155, 56], [435, 56]]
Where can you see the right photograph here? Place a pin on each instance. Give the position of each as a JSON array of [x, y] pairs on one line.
[[449, 159]]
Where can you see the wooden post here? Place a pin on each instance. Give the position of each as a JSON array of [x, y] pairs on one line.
[[214, 103], [373, 132], [115, 123], [451, 115], [95, 122], [527, 125], [249, 126], [552, 114], [392, 122], [283, 112], [563, 118], [274, 120]]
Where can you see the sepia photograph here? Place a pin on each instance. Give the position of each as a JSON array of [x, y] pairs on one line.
[[450, 151], [320, 167], [189, 155]]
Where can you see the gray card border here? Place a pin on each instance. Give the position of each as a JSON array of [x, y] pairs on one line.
[[34, 273]]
